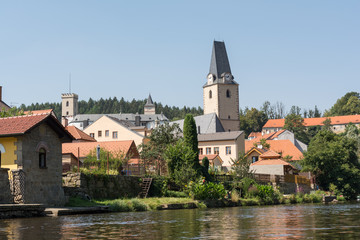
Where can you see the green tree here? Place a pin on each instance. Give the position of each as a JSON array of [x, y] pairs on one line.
[[241, 167], [333, 160], [349, 104], [11, 112], [295, 123], [252, 120], [190, 139], [160, 138]]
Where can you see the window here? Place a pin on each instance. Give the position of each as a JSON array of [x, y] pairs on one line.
[[115, 134], [228, 93], [42, 158], [255, 159], [216, 150], [92, 135], [228, 150], [99, 133], [228, 116], [67, 103], [210, 94], [208, 150], [67, 113], [200, 151], [106, 133]]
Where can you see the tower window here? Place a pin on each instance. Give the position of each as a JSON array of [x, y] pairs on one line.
[[210, 94], [229, 117], [67, 113], [67, 103], [228, 93]]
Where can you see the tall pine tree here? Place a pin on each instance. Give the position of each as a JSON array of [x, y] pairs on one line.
[[190, 138]]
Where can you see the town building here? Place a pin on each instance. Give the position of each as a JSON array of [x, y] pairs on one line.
[[227, 145], [31, 149], [3, 105], [337, 123]]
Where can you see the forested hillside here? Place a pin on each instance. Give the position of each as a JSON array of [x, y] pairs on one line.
[[113, 105]]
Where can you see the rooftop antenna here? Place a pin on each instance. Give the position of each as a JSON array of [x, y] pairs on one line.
[[69, 82]]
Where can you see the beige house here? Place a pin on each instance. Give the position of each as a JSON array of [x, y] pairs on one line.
[[227, 145], [108, 128]]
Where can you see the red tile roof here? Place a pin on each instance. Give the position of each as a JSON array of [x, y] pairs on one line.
[[255, 135], [211, 157], [338, 120], [270, 154], [115, 147], [36, 112], [20, 124], [78, 134], [285, 147], [272, 162]]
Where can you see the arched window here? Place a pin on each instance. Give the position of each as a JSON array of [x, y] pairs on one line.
[[67, 103], [228, 93], [210, 94], [42, 158]]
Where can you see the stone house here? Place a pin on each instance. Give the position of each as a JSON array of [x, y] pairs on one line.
[[31, 148]]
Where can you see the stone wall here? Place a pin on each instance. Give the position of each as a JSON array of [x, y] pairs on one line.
[[5, 194], [101, 186]]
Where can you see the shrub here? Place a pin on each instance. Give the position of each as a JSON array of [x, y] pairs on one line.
[[340, 198], [121, 206], [176, 194], [138, 205], [235, 196], [206, 190]]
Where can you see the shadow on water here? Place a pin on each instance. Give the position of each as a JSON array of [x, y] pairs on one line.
[[266, 222]]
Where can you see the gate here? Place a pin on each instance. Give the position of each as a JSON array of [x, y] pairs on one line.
[[17, 185]]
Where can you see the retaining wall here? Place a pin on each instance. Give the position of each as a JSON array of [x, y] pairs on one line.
[[101, 186]]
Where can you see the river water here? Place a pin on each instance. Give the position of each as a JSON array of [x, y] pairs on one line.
[[301, 221]]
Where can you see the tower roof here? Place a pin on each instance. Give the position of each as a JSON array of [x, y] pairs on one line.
[[219, 60], [149, 101]]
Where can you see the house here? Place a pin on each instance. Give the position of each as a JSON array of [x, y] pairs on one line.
[[215, 160], [227, 145], [284, 147], [278, 135], [78, 135], [271, 163], [3, 105], [337, 123], [108, 128], [70, 115], [73, 152], [31, 148]]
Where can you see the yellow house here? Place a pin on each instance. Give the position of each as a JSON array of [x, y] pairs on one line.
[[227, 145], [8, 154], [109, 128]]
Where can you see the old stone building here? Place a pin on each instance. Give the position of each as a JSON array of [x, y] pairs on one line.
[[221, 92], [32, 151]]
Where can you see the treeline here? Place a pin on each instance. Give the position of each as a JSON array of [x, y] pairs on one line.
[[113, 105]]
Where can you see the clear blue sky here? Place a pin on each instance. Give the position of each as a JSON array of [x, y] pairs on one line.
[[303, 53]]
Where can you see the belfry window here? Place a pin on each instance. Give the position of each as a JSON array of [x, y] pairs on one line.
[[67, 103], [210, 94], [228, 93], [42, 158]]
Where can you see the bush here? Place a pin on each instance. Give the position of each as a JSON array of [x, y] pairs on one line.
[[121, 206], [138, 205], [206, 190], [176, 194]]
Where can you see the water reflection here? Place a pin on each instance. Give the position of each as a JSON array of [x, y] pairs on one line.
[[268, 222]]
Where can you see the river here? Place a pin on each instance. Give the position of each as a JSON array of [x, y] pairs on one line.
[[301, 221]]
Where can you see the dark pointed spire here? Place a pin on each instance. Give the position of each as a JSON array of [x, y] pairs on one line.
[[149, 101], [219, 60]]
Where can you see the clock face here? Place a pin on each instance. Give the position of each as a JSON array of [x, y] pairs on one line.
[[210, 78], [227, 76]]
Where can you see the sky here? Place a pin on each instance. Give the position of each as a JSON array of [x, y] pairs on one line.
[[302, 53]]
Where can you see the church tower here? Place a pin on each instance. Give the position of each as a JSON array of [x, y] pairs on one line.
[[149, 107], [69, 105], [221, 92]]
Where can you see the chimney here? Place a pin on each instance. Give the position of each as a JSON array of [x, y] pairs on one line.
[[137, 120], [0, 93], [65, 121]]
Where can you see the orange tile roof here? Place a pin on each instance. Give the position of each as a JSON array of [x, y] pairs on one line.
[[272, 162], [20, 124], [270, 154], [276, 134], [286, 147], [35, 112], [126, 147], [211, 157], [337, 120], [78, 134], [255, 134]]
